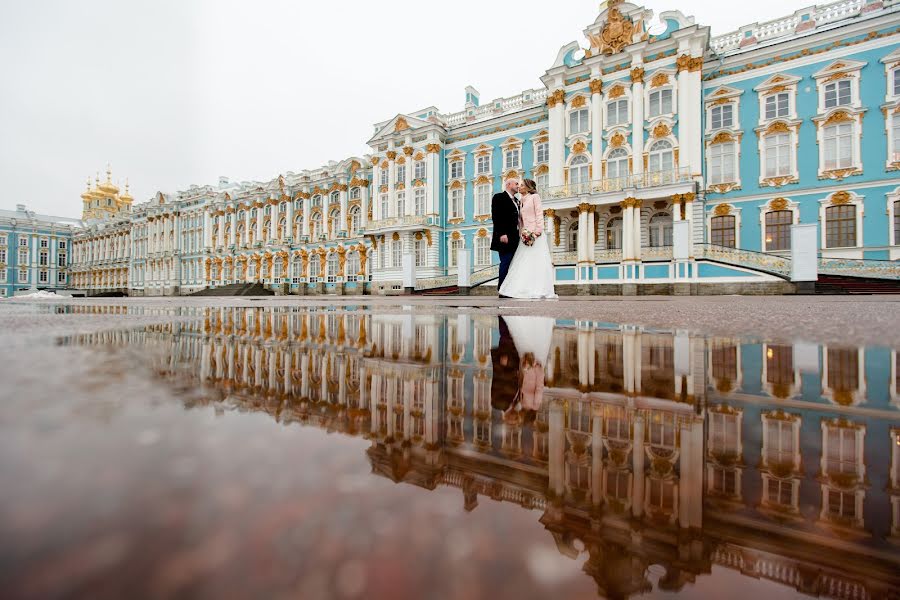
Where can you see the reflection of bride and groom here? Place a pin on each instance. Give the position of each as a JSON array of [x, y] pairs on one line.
[[518, 359]]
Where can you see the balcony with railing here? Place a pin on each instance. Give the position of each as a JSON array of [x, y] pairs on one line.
[[407, 221], [617, 184]]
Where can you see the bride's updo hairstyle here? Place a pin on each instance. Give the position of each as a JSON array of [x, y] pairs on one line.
[[530, 186]]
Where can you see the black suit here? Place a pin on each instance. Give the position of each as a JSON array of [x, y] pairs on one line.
[[505, 365], [505, 215]]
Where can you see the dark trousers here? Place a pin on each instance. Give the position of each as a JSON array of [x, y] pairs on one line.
[[505, 260]]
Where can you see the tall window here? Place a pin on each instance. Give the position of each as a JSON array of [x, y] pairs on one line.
[[315, 226], [313, 268], [401, 173], [660, 230], [421, 255], [896, 231], [895, 135], [334, 222], [778, 229], [661, 157], [331, 266], [397, 254], [354, 220], [456, 169], [354, 194], [454, 246], [837, 93], [401, 204], [723, 231], [2, 256], [483, 199], [579, 121], [419, 170], [843, 369], [617, 164], [483, 164], [542, 182], [660, 103], [721, 163], [778, 154], [419, 200], [456, 200], [572, 237], [838, 146], [44, 259], [23, 241], [352, 266], [383, 178], [777, 105], [614, 234], [513, 158], [542, 150], [840, 226], [482, 251], [385, 207], [617, 112], [722, 116], [895, 82], [579, 170]]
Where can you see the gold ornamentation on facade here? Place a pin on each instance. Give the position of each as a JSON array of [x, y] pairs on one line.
[[419, 156], [840, 174], [482, 179], [456, 235], [778, 127], [722, 137], [482, 233], [722, 188], [557, 97], [401, 125], [722, 210], [418, 183], [661, 130], [637, 75], [617, 91], [688, 197], [617, 140], [840, 116], [433, 148], [541, 169], [596, 86], [778, 204], [579, 147], [841, 197], [617, 33], [383, 189], [631, 202], [579, 101], [400, 187], [359, 182], [778, 181], [401, 161], [456, 185], [391, 155], [408, 150], [428, 236], [374, 160], [659, 79], [511, 174], [586, 207]]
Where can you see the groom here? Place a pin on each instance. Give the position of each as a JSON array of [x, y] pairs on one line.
[[505, 215]]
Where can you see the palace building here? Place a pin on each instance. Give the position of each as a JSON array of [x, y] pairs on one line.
[[669, 160]]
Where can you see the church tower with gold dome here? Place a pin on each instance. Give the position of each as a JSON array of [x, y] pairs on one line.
[[102, 201]]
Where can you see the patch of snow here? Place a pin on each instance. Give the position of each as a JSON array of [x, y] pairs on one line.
[[38, 295]]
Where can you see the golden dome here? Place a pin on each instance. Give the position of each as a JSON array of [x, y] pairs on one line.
[[108, 186], [125, 196]]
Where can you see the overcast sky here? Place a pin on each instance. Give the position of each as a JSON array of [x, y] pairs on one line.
[[175, 92]]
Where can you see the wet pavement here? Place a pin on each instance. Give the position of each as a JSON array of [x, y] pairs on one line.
[[266, 450]]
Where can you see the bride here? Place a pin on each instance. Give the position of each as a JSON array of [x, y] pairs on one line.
[[531, 273]]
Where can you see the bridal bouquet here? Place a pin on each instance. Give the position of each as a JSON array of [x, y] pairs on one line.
[[528, 237]]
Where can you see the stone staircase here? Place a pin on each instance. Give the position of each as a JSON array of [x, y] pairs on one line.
[[839, 284], [236, 289]]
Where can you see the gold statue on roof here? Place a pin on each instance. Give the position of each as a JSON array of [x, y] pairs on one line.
[[617, 33]]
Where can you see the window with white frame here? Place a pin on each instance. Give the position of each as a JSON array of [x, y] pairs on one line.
[[3, 239], [401, 204], [579, 121], [61, 260], [456, 169], [778, 105], [419, 169], [45, 243], [421, 252], [721, 116], [276, 270], [660, 103], [455, 245], [331, 267], [482, 251], [837, 93], [23, 256], [401, 173], [895, 82], [62, 245], [385, 207], [352, 266], [896, 235], [542, 152], [483, 199], [419, 200], [778, 229], [617, 112], [354, 193], [614, 234], [722, 231], [483, 164], [385, 175], [456, 202], [838, 152], [777, 147], [840, 226], [354, 219], [23, 240], [3, 276], [513, 158], [296, 270], [579, 170], [617, 164], [315, 226], [660, 227], [722, 162], [661, 157], [23, 276], [895, 136], [542, 181], [314, 266], [42, 277], [2, 256], [397, 254]]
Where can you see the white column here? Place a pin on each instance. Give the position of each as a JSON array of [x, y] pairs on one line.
[[260, 215], [636, 235], [364, 206], [207, 228], [342, 225], [591, 242], [582, 236], [289, 221], [407, 184], [684, 118], [432, 173], [307, 207], [637, 464], [557, 124], [627, 230], [596, 129], [392, 200], [637, 117], [233, 238]]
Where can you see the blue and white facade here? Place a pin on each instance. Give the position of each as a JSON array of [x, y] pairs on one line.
[[35, 251], [665, 156]]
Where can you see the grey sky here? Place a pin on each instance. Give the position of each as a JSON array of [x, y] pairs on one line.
[[179, 92]]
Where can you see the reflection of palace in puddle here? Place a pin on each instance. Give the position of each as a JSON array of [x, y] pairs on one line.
[[649, 447]]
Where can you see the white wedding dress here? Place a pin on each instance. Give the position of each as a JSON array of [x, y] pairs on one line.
[[532, 334], [531, 274]]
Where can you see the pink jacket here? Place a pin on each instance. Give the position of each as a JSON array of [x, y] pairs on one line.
[[532, 213]]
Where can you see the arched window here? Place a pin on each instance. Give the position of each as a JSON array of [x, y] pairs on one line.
[[313, 267], [331, 266], [572, 237], [660, 230], [614, 234], [354, 193], [315, 226], [298, 226], [334, 223], [722, 231], [335, 197], [778, 229], [239, 271], [282, 228], [661, 157], [317, 200], [579, 170], [354, 219], [296, 269], [352, 266], [840, 226], [617, 164]]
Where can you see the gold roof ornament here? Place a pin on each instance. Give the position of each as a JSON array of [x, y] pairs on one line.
[[617, 33]]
